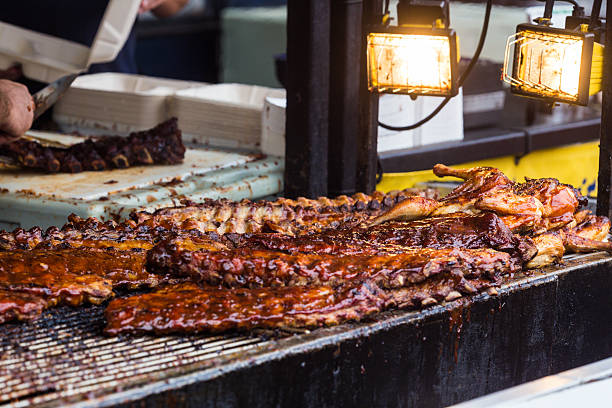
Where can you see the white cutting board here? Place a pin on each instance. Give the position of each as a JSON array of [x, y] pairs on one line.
[[91, 185]]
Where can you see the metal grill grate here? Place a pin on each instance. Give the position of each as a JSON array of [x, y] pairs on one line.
[[63, 357]]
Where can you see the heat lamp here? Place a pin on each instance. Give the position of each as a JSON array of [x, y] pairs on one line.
[[554, 64], [418, 57]]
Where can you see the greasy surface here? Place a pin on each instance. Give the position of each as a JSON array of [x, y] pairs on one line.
[[20, 306], [159, 145], [187, 308], [73, 276], [245, 267]]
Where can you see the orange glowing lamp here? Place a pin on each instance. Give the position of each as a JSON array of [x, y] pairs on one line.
[[413, 61], [557, 65]]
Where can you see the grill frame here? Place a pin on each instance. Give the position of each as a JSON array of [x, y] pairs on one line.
[[438, 356]]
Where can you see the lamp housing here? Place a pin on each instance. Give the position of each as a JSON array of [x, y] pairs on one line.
[[413, 61], [553, 64]]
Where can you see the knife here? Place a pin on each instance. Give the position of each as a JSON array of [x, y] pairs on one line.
[[46, 97]]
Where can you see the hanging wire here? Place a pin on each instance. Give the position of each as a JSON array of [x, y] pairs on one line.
[[462, 78]]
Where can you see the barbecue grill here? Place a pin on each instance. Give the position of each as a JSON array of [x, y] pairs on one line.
[[539, 324]]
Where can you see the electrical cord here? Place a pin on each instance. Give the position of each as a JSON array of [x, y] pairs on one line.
[[462, 78]]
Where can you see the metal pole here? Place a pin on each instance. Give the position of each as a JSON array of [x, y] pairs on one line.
[[605, 144], [548, 9], [345, 74], [367, 140], [308, 29]]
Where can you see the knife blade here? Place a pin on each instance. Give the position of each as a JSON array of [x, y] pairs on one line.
[[46, 97]]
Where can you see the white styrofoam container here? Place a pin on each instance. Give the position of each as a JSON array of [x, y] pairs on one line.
[[396, 110], [46, 58], [273, 126], [400, 110], [227, 115], [116, 102]]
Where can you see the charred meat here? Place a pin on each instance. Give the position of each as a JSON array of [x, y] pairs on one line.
[[159, 145]]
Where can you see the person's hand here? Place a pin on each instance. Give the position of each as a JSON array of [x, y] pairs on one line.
[[162, 8], [16, 109], [147, 5]]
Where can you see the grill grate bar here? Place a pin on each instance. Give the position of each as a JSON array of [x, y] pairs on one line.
[[114, 361], [125, 369]]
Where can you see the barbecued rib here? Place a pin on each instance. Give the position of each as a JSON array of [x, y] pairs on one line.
[[187, 308], [73, 276], [91, 233], [245, 267], [20, 306], [283, 215], [159, 145], [212, 216], [446, 287], [457, 230]]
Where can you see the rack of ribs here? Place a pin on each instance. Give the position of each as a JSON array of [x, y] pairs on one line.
[[159, 145], [222, 216], [189, 308], [457, 230], [32, 280], [295, 217], [251, 268], [297, 263], [20, 306]]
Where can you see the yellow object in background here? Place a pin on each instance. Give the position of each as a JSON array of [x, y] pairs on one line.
[[574, 164]]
